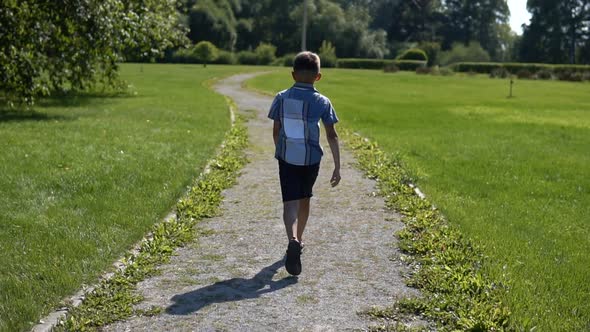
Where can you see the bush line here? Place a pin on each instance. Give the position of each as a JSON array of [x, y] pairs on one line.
[[409, 65], [514, 68], [446, 267], [113, 299]]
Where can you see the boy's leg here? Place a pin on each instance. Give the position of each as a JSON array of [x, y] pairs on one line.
[[295, 215], [290, 211], [293, 255], [302, 216]]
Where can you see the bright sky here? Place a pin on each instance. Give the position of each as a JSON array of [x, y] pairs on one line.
[[518, 14]]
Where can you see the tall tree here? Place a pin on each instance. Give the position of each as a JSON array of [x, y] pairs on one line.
[[576, 14], [476, 20], [271, 21], [557, 29], [214, 21], [407, 20]]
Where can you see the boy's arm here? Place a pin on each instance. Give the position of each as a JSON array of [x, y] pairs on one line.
[[275, 131], [332, 137]]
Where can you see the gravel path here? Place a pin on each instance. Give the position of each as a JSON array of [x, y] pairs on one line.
[[233, 279]]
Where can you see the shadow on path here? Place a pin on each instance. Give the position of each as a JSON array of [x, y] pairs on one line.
[[235, 289]]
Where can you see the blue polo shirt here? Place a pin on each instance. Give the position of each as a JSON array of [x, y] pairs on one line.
[[299, 109]]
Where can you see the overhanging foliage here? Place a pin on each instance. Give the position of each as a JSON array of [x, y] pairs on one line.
[[48, 46]]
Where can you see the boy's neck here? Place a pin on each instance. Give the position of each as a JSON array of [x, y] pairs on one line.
[[305, 82]]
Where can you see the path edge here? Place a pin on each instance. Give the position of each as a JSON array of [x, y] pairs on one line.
[[49, 322]]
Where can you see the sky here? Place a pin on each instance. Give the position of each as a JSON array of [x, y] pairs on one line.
[[518, 14]]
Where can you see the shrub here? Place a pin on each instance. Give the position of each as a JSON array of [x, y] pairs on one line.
[[413, 54], [514, 68], [527, 70], [461, 53], [500, 72], [363, 63], [432, 50], [525, 74], [488, 67], [278, 62], [577, 77], [544, 74], [571, 68], [205, 52], [570, 75], [423, 71], [247, 58], [265, 53], [327, 55], [479, 67], [446, 71], [410, 65], [225, 58], [391, 68], [287, 59], [183, 55]]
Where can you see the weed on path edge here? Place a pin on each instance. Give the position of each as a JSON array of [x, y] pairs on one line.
[[113, 298], [446, 267]]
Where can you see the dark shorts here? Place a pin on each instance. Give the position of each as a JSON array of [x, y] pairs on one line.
[[297, 181]]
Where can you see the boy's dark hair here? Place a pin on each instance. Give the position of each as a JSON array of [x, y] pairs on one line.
[[306, 61]]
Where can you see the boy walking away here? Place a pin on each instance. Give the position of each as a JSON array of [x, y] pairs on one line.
[[296, 132]]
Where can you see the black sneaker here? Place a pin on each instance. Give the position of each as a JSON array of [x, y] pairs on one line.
[[293, 261]]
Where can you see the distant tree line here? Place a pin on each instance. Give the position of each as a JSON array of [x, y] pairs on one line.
[[558, 33], [48, 46]]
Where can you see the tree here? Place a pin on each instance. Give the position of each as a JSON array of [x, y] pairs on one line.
[[213, 20], [206, 52], [244, 24], [149, 28], [479, 20], [265, 53], [327, 53], [48, 46], [409, 20], [357, 28], [267, 25], [461, 53], [557, 29]]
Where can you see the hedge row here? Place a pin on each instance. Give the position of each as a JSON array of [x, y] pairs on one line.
[[225, 58], [252, 58], [186, 56], [409, 65], [515, 68]]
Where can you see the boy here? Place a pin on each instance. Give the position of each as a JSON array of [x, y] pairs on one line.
[[296, 132]]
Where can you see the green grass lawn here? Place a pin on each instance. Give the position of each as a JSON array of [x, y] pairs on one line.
[[83, 179], [512, 174]]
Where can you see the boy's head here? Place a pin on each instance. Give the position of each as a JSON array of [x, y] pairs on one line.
[[306, 67]]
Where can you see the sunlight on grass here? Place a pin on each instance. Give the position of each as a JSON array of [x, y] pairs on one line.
[[511, 172], [573, 118], [84, 178]]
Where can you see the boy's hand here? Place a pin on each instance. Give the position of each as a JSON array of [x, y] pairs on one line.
[[335, 178]]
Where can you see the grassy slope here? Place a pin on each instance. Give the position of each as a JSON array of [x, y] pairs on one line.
[[512, 173], [82, 180]]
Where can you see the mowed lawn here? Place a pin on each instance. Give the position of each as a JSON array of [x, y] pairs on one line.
[[513, 174], [83, 179]]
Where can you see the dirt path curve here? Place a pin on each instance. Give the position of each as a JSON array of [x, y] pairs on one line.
[[233, 278]]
